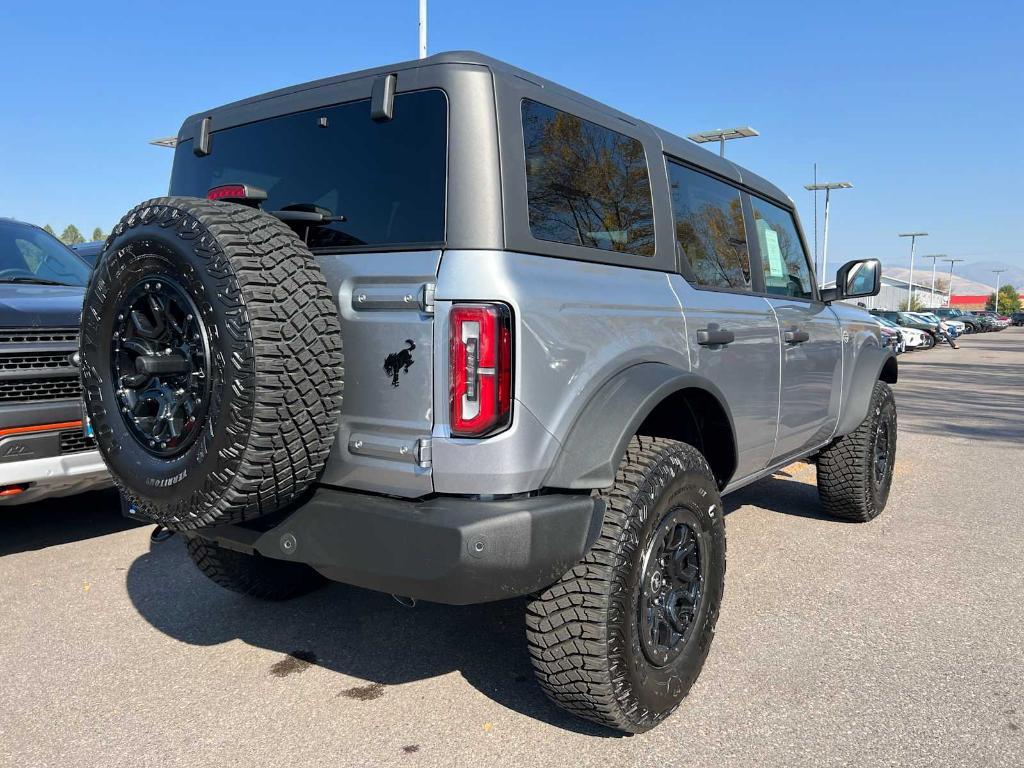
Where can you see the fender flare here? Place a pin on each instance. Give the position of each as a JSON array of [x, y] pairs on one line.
[[873, 363], [596, 442]]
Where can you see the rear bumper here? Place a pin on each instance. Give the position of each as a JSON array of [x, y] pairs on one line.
[[447, 549], [54, 476]]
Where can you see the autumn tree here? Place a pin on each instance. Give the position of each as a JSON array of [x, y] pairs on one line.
[[1009, 300]]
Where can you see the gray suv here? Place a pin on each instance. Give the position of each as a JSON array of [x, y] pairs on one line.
[[561, 334]]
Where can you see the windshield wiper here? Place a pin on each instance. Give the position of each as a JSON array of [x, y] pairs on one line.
[[306, 213], [33, 281]]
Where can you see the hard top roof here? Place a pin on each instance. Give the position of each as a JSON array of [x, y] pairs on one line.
[[671, 144]]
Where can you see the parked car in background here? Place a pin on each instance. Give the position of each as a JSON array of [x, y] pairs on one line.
[[907, 320], [998, 321], [43, 448], [1017, 318], [952, 328], [971, 323], [987, 323], [892, 339], [89, 251], [912, 338]]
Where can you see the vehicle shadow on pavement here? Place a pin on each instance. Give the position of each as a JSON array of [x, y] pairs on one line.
[[50, 522], [974, 401], [360, 633], [789, 494]]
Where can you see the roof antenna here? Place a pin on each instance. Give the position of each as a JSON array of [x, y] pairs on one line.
[[423, 29]]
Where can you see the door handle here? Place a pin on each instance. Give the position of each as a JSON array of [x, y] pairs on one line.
[[796, 337], [710, 336]]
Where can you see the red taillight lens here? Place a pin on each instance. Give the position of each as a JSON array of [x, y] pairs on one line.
[[480, 369], [227, 192], [240, 193]]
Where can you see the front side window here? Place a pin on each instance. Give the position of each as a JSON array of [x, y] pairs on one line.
[[586, 184], [709, 228], [786, 271], [382, 183]]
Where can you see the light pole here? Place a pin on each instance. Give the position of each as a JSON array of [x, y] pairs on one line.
[[828, 187], [910, 282], [934, 258], [997, 273], [949, 295], [722, 135], [423, 29]]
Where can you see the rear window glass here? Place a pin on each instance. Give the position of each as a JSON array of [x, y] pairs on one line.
[[586, 185], [709, 228], [386, 178]]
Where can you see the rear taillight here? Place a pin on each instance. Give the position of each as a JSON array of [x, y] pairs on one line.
[[480, 369], [246, 194]]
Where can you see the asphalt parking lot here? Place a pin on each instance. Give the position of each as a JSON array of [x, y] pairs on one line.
[[899, 642]]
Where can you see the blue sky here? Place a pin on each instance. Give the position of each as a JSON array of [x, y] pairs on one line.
[[919, 104]]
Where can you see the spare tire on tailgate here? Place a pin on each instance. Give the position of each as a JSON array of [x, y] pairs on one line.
[[211, 362]]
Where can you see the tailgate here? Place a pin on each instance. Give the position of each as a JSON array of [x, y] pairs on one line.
[[387, 327]]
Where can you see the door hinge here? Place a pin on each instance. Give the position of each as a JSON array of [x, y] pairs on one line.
[[427, 298], [423, 452]]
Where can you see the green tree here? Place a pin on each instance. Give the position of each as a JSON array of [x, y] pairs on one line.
[[97, 234], [1009, 300], [71, 235], [49, 229], [915, 306]]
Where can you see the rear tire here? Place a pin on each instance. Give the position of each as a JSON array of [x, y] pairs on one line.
[[620, 639], [252, 575], [855, 472]]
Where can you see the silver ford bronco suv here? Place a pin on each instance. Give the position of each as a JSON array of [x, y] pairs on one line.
[[562, 335]]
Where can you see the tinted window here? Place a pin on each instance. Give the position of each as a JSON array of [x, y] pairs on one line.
[[386, 178], [28, 253], [786, 272], [586, 185], [709, 228]]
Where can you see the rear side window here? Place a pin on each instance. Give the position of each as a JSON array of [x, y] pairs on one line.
[[586, 184], [386, 178], [786, 271], [709, 228]]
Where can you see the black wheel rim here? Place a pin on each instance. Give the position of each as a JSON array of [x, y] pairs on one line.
[[672, 588], [160, 364], [882, 451]]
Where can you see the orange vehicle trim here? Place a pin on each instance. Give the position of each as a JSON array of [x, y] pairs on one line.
[[40, 428]]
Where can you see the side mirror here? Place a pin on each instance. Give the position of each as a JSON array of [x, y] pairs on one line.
[[856, 279]]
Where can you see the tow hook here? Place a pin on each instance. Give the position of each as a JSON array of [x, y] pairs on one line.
[[160, 533]]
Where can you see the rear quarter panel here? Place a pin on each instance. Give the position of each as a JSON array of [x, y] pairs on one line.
[[576, 325]]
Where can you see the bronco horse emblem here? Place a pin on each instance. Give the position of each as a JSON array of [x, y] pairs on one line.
[[399, 362]]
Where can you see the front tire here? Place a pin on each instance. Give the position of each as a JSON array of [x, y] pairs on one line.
[[621, 638], [855, 472]]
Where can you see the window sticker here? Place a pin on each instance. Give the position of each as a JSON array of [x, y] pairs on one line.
[[770, 239]]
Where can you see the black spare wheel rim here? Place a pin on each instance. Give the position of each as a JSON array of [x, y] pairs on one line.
[[160, 361], [672, 588]]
